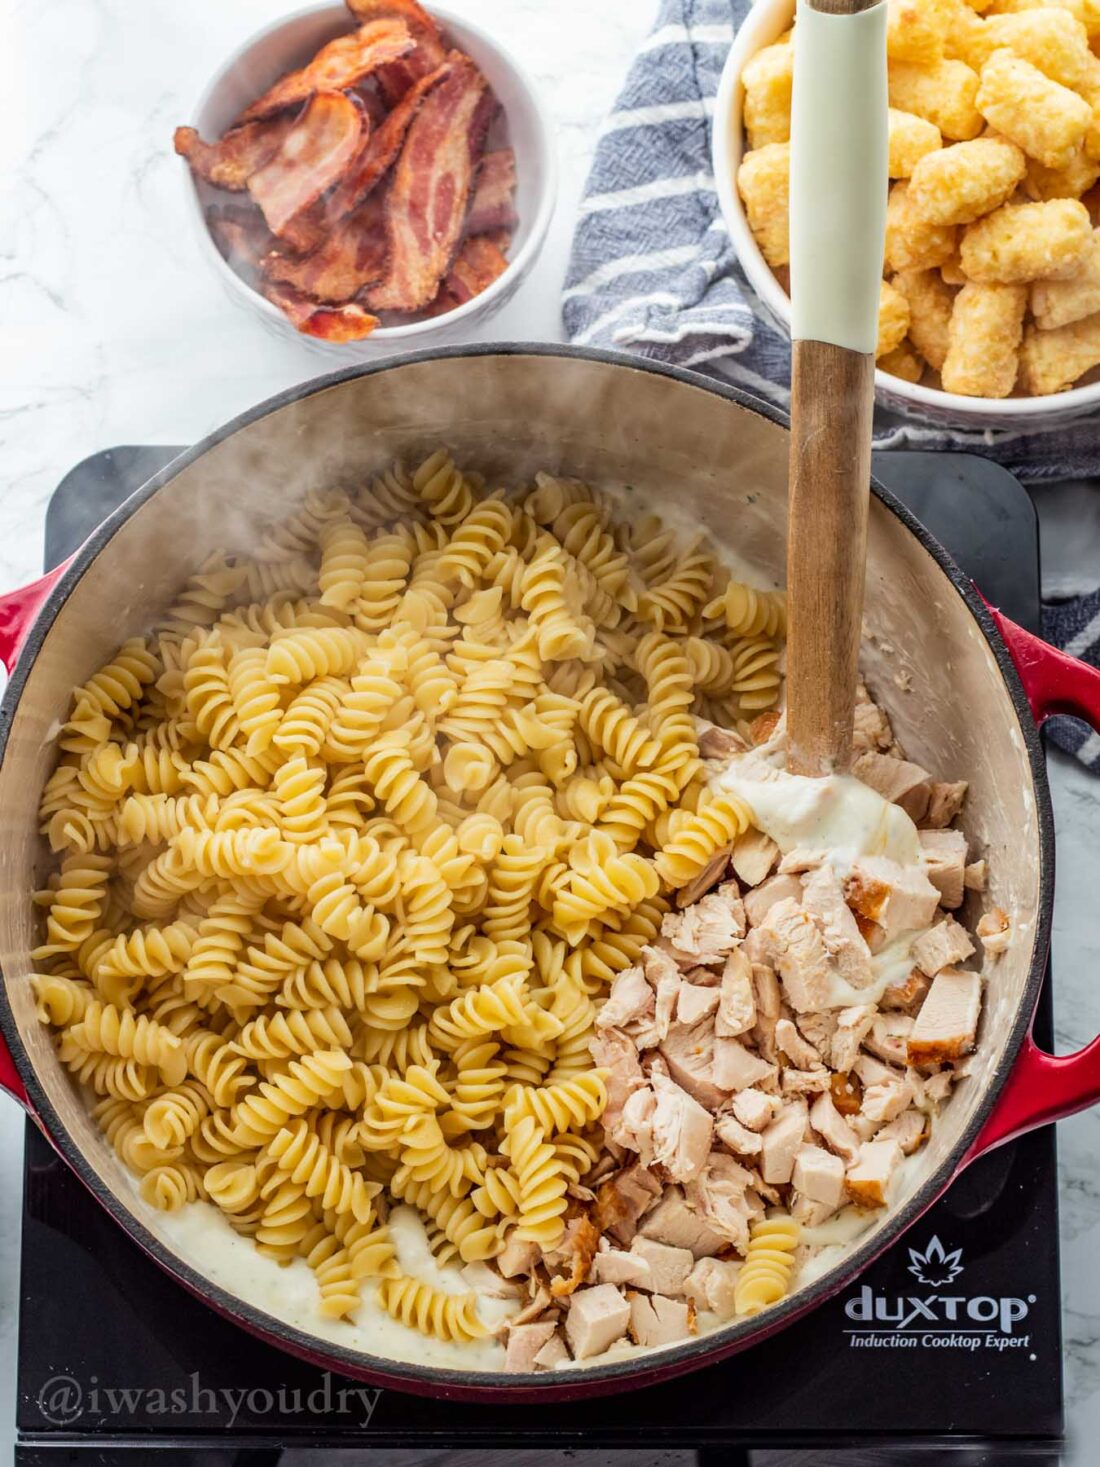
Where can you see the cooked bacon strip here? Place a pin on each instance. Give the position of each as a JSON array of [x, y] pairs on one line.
[[231, 162], [431, 188], [329, 323], [353, 256], [337, 66], [242, 237], [377, 153], [429, 52], [312, 157], [492, 207], [477, 264]]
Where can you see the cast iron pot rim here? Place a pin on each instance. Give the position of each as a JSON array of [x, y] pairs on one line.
[[705, 1349]]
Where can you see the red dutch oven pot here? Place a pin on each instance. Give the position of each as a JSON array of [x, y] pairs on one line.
[[705, 457]]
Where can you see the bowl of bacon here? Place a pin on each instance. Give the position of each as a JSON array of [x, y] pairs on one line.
[[370, 173]]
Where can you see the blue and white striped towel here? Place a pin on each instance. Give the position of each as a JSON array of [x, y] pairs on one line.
[[653, 272]]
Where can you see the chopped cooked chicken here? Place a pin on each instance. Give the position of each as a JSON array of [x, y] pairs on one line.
[[668, 1266], [622, 1199], [909, 1130], [943, 946], [630, 1001], [708, 931], [724, 1197], [682, 1130], [975, 876], [664, 976], [695, 1003], [753, 1108], [699, 885], [516, 1258], [759, 902], [871, 728], [655, 1320], [765, 987], [805, 1082], [887, 1036], [736, 998], [612, 1049], [537, 1307], [948, 1020], [617, 1267], [823, 898], [945, 854], [819, 1175], [712, 1284], [781, 1140], [574, 1253], [552, 1353], [896, 780], [597, 1317], [738, 1138], [994, 932], [673, 1221], [899, 898], [690, 1056], [798, 1050], [908, 995], [885, 1102], [852, 1024], [524, 1343], [754, 854], [833, 1129], [799, 955], [944, 803], [736, 1068], [868, 1177], [720, 743], [488, 1281]]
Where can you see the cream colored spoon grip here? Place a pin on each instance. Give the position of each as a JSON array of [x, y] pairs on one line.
[[838, 221]]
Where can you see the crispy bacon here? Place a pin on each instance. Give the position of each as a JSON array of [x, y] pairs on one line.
[[492, 208], [231, 162], [478, 263], [313, 155], [428, 53], [351, 257], [337, 66], [242, 237], [329, 323], [378, 151], [430, 192]]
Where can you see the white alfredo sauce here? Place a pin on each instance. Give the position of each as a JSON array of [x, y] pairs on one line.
[[841, 818], [200, 1235]]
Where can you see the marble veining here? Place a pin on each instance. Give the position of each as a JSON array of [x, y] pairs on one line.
[[114, 331]]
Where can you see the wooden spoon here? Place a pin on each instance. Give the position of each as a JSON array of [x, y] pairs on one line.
[[838, 220]]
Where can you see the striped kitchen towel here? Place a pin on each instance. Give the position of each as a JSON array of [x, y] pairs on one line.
[[653, 272]]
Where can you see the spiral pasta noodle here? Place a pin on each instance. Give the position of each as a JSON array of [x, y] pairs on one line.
[[765, 1275]]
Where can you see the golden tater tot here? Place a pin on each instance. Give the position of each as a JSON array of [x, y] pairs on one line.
[[904, 362], [984, 342], [767, 81], [958, 185], [943, 93], [965, 38], [1062, 183], [911, 137], [764, 180], [893, 319], [1041, 116], [1058, 302], [1051, 40], [914, 31], [1019, 243], [1051, 361], [931, 302], [1086, 11], [912, 243]]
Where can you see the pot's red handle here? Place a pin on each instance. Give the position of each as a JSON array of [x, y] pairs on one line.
[[18, 610], [1045, 1087]]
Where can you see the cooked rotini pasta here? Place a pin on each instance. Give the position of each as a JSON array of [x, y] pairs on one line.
[[350, 847]]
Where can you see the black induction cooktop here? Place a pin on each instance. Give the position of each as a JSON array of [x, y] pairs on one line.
[[952, 1338]]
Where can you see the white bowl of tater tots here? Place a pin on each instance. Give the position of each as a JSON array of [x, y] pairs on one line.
[[990, 308]]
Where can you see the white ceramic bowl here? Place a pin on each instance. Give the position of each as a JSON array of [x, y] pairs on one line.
[[765, 23], [289, 43]]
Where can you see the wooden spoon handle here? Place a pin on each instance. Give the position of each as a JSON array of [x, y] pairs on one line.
[[838, 212]]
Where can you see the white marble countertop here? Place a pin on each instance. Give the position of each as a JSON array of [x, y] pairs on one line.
[[113, 331]]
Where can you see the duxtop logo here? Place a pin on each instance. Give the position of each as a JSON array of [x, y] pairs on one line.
[[941, 1319], [935, 1266]]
